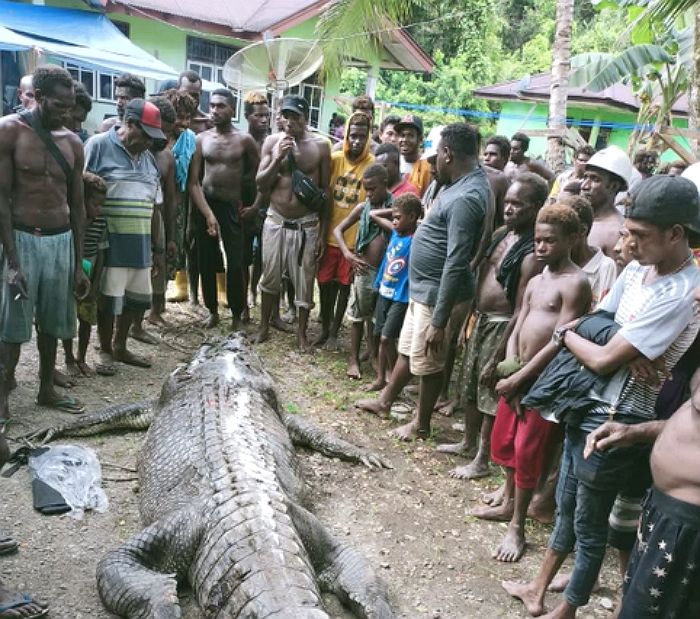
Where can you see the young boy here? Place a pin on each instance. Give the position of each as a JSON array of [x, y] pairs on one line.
[[392, 281], [370, 244], [334, 271], [94, 244], [519, 440]]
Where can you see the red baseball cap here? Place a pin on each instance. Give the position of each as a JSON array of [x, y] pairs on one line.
[[148, 116]]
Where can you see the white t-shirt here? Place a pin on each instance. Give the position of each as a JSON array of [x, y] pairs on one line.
[[658, 319], [601, 272]]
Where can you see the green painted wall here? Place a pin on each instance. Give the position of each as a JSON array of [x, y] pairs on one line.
[[523, 115]]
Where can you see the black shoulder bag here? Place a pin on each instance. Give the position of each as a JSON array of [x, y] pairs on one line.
[[305, 189], [30, 119]]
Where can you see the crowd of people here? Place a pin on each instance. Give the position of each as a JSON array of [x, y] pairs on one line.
[[570, 298]]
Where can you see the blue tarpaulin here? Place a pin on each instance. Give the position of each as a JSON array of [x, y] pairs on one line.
[[85, 37]]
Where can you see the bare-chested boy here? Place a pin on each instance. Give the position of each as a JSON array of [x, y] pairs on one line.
[[293, 235], [223, 154], [608, 172], [370, 244], [520, 436], [496, 154], [504, 273], [520, 162], [42, 219]]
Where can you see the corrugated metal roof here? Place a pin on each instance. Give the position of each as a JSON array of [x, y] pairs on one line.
[[239, 15], [537, 87]]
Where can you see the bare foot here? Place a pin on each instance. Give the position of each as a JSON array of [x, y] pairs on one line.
[[527, 594], [499, 513], [289, 316], [444, 406], [456, 449], [560, 582], [364, 356], [377, 385], [262, 336], [331, 344], [156, 320], [85, 369], [541, 513], [473, 470], [495, 497], [72, 368], [278, 324], [562, 611], [353, 370], [512, 546], [321, 339], [126, 356], [245, 315], [303, 344], [374, 405], [61, 380], [212, 321], [408, 432]]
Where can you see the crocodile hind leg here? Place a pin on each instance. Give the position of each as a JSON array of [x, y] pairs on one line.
[[134, 416], [341, 569], [138, 580], [309, 435]]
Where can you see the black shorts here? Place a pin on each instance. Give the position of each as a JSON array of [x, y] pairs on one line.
[[664, 569], [388, 317]]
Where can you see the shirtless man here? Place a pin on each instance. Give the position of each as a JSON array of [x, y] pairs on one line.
[[224, 155], [293, 235], [667, 537], [365, 257], [607, 173], [42, 218], [560, 294], [25, 94], [520, 162], [496, 153], [126, 88], [497, 310]]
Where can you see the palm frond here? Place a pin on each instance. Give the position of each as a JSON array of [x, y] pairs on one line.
[[596, 71], [670, 8], [352, 29]]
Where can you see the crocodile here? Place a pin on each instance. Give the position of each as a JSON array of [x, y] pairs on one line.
[[223, 501]]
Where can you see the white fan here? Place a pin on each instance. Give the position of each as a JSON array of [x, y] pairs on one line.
[[273, 65]]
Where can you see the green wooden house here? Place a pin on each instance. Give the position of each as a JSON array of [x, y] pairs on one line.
[[169, 36], [601, 118]]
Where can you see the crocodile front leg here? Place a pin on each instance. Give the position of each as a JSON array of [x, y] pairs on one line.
[[133, 416], [341, 569], [307, 434], [138, 580]]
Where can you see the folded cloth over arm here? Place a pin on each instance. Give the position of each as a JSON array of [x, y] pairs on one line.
[[565, 384]]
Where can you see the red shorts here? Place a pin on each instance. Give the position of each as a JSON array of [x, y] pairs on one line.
[[521, 443], [334, 267]]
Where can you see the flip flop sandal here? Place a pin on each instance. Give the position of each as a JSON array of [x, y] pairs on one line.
[[65, 404], [8, 545], [23, 599]]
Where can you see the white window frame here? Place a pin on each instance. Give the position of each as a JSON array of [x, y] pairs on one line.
[[307, 90], [95, 93], [217, 75]]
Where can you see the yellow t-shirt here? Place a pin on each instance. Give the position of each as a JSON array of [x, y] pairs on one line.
[[347, 192], [419, 176]]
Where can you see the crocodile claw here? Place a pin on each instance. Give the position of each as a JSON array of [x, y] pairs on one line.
[[373, 461]]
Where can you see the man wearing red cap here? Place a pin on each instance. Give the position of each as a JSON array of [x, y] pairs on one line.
[[121, 157]]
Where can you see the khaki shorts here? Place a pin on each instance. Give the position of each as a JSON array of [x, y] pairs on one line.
[[125, 287], [483, 340], [412, 339], [289, 246], [363, 296]]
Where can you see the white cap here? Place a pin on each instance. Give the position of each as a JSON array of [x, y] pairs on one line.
[[614, 160], [692, 173], [430, 143]]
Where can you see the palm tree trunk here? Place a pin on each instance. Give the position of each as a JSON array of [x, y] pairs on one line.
[[561, 66], [693, 98]]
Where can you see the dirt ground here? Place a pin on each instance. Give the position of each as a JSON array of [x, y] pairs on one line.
[[412, 522]]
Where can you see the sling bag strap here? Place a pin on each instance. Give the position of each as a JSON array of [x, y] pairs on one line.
[[30, 119]]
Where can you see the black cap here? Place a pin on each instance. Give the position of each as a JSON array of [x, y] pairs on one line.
[[410, 120], [666, 201], [147, 115], [296, 104]]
